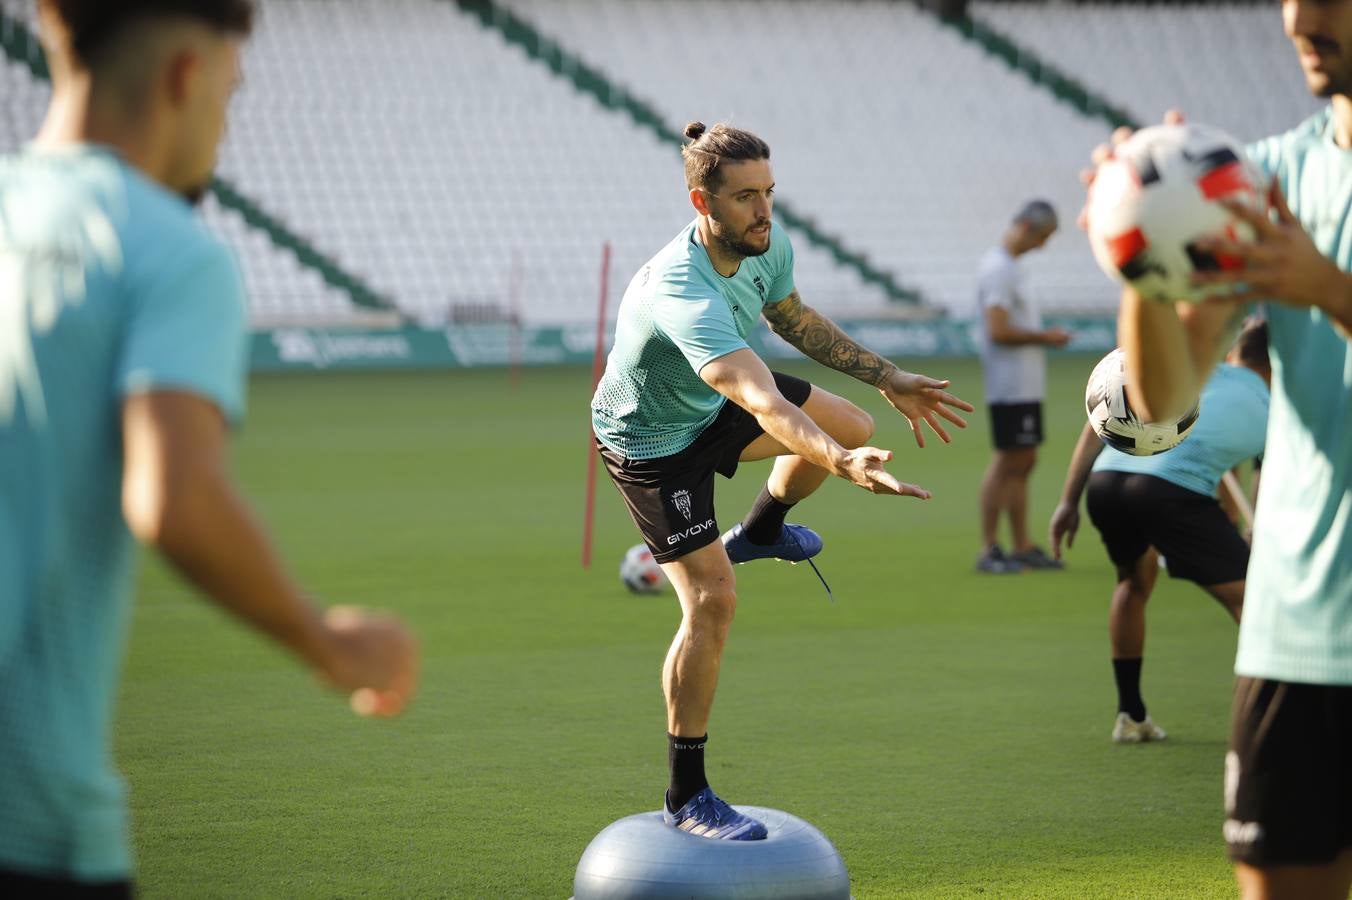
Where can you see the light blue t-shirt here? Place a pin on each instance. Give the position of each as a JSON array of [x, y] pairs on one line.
[[108, 286], [678, 314], [1297, 623], [1230, 428]]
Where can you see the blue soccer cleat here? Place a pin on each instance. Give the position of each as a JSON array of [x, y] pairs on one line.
[[796, 543], [704, 815]]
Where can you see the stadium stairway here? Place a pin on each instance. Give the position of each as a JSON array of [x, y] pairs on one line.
[[593, 82], [892, 128], [289, 281]]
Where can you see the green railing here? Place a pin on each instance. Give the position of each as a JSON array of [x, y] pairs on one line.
[[22, 46], [1042, 73], [597, 84]]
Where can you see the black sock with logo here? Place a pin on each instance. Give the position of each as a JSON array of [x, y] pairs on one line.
[[1127, 674], [685, 756], [766, 520]]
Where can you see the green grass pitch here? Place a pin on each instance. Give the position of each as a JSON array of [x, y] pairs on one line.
[[948, 731]]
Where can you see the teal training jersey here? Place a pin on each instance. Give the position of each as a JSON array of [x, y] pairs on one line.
[[108, 286], [1231, 428], [678, 314], [1297, 623]]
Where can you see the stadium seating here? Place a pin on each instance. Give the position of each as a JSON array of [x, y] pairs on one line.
[[447, 170], [1225, 64], [281, 291]]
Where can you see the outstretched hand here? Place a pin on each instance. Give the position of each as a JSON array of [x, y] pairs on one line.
[[865, 468], [922, 399]]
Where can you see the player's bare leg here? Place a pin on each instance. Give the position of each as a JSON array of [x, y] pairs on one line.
[[1126, 634], [1231, 596], [763, 533], [1328, 882], [1020, 465], [1003, 490], [706, 588], [1126, 616], [794, 478]]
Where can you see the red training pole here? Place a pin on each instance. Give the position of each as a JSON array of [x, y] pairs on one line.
[[514, 277], [598, 364]]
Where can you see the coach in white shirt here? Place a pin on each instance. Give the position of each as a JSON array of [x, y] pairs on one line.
[[1015, 365]]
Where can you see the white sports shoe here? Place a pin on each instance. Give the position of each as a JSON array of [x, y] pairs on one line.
[[1127, 730]]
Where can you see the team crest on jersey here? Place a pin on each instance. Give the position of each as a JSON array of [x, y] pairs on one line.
[[681, 500], [760, 286]]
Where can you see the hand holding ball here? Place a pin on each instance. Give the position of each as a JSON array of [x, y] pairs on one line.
[[1159, 196]]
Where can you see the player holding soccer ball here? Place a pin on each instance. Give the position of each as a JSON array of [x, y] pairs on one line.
[[1167, 503], [684, 397], [1288, 792]]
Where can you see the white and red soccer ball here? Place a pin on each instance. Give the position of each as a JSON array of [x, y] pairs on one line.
[[640, 572], [1116, 423], [1159, 195]]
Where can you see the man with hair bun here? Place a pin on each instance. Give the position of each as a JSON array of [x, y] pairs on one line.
[[684, 397], [122, 362]]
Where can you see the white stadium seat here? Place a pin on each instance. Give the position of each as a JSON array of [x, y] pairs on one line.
[[442, 165]]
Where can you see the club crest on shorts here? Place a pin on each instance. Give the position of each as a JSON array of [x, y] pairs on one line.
[[681, 500]]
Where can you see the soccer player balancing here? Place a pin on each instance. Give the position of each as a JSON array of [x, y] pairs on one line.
[[1288, 794], [1167, 503], [684, 397], [121, 362]]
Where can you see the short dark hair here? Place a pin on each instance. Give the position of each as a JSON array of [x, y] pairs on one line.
[[708, 148], [1038, 213], [92, 23], [1251, 346]]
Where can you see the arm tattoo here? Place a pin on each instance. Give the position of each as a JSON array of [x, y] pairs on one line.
[[817, 337]]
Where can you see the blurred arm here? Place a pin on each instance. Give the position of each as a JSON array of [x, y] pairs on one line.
[[1002, 331], [1171, 350], [1065, 522], [1087, 449], [178, 497]]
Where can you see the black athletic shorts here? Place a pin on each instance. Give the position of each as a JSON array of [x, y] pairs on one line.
[[1288, 775], [672, 497], [1133, 512], [1015, 425], [19, 886]]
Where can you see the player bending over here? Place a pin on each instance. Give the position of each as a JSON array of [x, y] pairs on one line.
[[1168, 503], [684, 396]]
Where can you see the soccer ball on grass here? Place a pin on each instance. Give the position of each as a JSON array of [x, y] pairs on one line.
[[640, 572]]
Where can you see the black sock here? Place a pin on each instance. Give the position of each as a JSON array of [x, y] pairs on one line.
[[765, 521], [685, 756], [1127, 674]]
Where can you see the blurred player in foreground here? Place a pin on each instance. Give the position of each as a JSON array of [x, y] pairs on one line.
[[684, 396], [1168, 503], [1014, 363], [1288, 785], [122, 359]]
